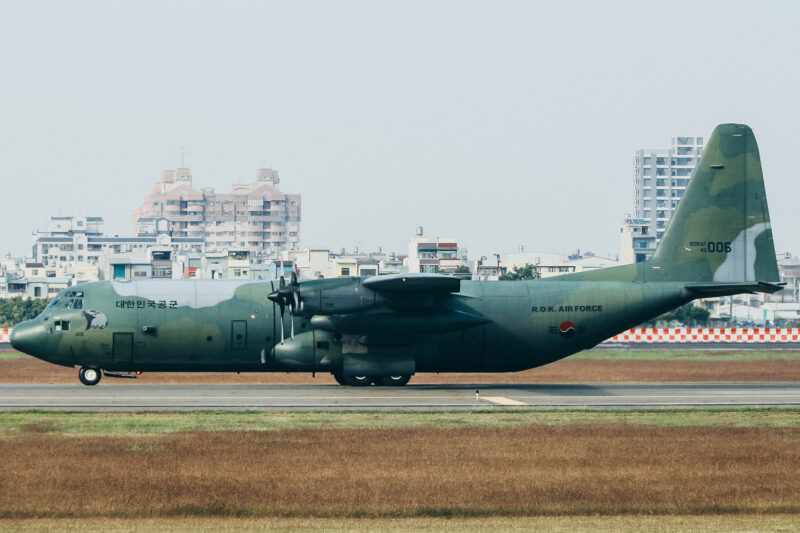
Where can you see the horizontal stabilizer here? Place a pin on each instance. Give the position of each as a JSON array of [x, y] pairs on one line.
[[710, 290], [413, 283]]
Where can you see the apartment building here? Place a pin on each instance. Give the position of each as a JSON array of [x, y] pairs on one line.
[[254, 216], [29, 279]]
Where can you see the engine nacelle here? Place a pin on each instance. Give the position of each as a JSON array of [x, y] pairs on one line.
[[309, 351], [336, 296]]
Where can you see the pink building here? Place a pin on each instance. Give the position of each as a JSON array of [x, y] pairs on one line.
[[255, 216]]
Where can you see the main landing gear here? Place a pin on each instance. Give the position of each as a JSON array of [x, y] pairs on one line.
[[365, 381], [90, 375]]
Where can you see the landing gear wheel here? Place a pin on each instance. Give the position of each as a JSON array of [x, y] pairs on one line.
[[360, 381], [340, 379], [395, 381], [89, 375]]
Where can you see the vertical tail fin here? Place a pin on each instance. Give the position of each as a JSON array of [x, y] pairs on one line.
[[721, 231]]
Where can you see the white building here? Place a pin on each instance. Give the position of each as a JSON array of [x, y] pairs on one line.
[[77, 248], [29, 279], [547, 265], [637, 242], [316, 263], [437, 254], [761, 308], [660, 179], [312, 263]]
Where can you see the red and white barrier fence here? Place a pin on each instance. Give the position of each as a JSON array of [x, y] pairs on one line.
[[646, 335], [5, 334]]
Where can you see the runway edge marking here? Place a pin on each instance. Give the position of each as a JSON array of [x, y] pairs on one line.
[[502, 400]]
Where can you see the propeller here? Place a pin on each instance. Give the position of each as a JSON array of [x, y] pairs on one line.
[[286, 295]]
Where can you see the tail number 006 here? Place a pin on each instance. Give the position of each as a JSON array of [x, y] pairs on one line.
[[719, 247]]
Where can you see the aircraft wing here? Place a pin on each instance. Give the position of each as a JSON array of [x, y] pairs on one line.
[[413, 283], [403, 304]]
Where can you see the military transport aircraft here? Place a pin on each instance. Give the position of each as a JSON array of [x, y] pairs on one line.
[[383, 329]]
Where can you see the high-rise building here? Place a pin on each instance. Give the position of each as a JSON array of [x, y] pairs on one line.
[[256, 217], [660, 179]]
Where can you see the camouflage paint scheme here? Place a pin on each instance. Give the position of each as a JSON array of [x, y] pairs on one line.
[[719, 242]]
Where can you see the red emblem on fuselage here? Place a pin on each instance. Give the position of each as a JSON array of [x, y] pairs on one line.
[[567, 327]]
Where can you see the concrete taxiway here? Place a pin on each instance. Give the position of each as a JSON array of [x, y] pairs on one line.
[[149, 397]]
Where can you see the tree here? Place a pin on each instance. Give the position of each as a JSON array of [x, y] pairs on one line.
[[527, 271], [15, 310]]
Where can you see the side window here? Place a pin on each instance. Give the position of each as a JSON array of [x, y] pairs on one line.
[[61, 325]]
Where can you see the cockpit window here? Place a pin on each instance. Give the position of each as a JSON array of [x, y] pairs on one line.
[[74, 303]]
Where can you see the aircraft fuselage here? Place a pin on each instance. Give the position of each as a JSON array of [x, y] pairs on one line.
[[232, 326]]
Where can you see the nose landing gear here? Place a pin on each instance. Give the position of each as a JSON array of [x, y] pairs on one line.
[[89, 375]]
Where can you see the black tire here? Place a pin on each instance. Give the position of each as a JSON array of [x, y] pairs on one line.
[[360, 381], [340, 379], [395, 381], [89, 375]]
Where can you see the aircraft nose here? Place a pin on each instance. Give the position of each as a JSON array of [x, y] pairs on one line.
[[26, 336]]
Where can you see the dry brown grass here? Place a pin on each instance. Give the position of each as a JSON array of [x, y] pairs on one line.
[[559, 524], [530, 470], [31, 370]]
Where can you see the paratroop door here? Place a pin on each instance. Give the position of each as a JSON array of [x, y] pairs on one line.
[[122, 348], [238, 334]]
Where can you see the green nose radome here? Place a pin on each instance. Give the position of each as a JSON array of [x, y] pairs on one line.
[[26, 336]]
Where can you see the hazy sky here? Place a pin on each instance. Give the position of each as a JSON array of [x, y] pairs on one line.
[[500, 123]]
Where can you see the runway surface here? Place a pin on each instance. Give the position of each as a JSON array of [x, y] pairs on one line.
[[420, 397]]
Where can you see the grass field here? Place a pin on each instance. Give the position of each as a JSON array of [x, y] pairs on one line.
[[349, 467], [678, 354], [13, 424], [591, 366], [557, 524]]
